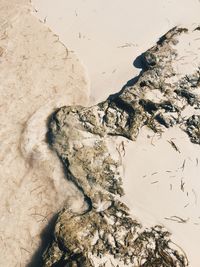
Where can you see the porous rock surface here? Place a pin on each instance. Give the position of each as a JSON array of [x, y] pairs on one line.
[[105, 234]]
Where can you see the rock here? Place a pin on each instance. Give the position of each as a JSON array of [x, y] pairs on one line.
[[193, 128], [83, 140]]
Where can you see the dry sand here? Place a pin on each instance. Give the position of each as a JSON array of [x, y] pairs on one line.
[[107, 35], [162, 186]]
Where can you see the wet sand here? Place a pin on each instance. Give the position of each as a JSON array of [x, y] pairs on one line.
[[38, 74]]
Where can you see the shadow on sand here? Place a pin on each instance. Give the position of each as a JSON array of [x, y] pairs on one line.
[[46, 239]]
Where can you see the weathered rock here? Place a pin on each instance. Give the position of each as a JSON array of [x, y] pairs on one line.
[[82, 138], [193, 128]]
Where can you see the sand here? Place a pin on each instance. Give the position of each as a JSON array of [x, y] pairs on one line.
[[107, 36], [165, 183], [53, 55], [37, 75]]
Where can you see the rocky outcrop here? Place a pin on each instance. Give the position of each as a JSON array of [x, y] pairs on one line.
[[105, 234]]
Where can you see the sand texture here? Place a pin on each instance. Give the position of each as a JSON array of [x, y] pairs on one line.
[[37, 74], [117, 183], [107, 36], [90, 143]]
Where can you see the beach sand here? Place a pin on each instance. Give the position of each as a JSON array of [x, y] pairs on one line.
[[38, 74], [108, 36], [63, 53], [162, 186]]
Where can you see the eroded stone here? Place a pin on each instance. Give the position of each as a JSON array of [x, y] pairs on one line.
[[82, 138]]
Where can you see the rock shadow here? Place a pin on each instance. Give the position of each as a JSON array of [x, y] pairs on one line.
[[46, 239]]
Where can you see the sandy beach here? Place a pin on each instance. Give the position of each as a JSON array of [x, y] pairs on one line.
[[38, 74], [108, 36], [108, 48], [56, 53]]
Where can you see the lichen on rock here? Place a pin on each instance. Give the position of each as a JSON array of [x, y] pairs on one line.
[[105, 234]]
